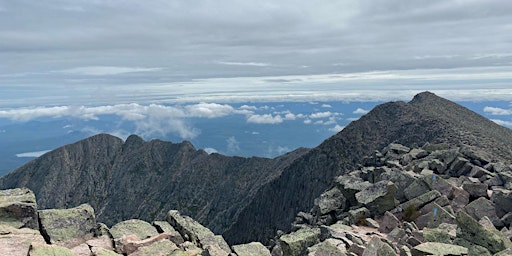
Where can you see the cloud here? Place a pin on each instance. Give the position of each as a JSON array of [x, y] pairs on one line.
[[497, 111], [33, 154], [308, 121], [233, 146], [360, 111], [265, 119], [503, 122], [106, 70], [326, 106], [320, 115], [254, 64], [337, 128], [209, 110], [210, 150]]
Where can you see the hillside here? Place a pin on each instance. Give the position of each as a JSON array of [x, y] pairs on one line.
[[244, 199]]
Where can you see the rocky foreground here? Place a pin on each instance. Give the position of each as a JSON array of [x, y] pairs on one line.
[[433, 200]]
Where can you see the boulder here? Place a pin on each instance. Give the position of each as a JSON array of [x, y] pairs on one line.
[[460, 166], [506, 177], [412, 206], [165, 227], [42, 249], [358, 216], [81, 250], [506, 252], [251, 249], [329, 247], [475, 190], [482, 207], [395, 148], [128, 244], [388, 223], [68, 227], [434, 182], [444, 233], [415, 189], [502, 199], [296, 243], [18, 208], [434, 218], [379, 197], [102, 242], [432, 248], [474, 232], [376, 247], [330, 201], [401, 179], [459, 198], [15, 242], [349, 186], [159, 248], [192, 231], [98, 251], [138, 228]]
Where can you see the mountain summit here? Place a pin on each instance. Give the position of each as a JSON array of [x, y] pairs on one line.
[[245, 199]]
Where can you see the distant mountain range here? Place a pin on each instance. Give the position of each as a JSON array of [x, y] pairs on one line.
[[244, 199]]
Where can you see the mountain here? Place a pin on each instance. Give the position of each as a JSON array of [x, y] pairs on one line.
[[244, 199], [427, 118], [138, 179]]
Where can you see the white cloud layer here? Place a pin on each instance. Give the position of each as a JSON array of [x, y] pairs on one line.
[[503, 122], [360, 111], [498, 111], [265, 119]]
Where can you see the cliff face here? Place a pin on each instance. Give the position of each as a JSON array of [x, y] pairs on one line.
[[427, 118], [138, 179]]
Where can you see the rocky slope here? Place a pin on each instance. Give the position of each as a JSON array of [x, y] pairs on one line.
[[138, 179], [427, 118]]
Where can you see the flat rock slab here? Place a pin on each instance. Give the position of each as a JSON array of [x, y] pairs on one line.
[[431, 248], [16, 242], [251, 249], [42, 249], [18, 208], [296, 243], [68, 227], [474, 232]]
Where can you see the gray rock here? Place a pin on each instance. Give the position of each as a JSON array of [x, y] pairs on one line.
[[434, 218], [251, 249], [329, 247], [379, 197], [437, 166], [136, 227], [39, 249], [165, 227], [506, 252], [460, 198], [475, 190], [507, 219], [474, 232], [444, 233], [482, 207], [396, 149], [349, 186], [68, 227], [358, 216], [15, 242], [418, 153], [375, 247], [296, 243], [460, 166], [416, 203], [415, 189], [502, 199], [192, 231], [160, 248], [506, 177], [401, 179], [388, 223], [18, 208], [330, 201], [432, 248]]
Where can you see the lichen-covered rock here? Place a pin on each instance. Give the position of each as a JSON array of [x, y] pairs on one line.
[[41, 249], [251, 249], [68, 227], [296, 243], [476, 233], [431, 248], [388, 223], [81, 250], [349, 186], [434, 218], [330, 200], [98, 251], [375, 247], [165, 227], [18, 208], [444, 233], [379, 197], [136, 227], [475, 190], [15, 242], [160, 248], [329, 247], [415, 189], [193, 231], [482, 207]]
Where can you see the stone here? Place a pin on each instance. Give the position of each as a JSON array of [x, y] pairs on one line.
[[397, 235], [474, 232], [388, 223], [139, 228], [411, 207], [128, 244], [396, 149], [379, 197], [358, 216], [16, 242], [506, 177], [459, 198], [81, 250], [42, 249], [349, 186], [418, 153], [159, 248], [507, 219], [437, 166], [18, 208], [502, 199], [329, 247], [251, 249], [102, 242], [483, 207], [165, 227], [296, 243], [369, 222], [401, 179], [440, 235], [192, 231], [415, 189], [330, 201], [432, 248], [506, 252], [434, 218], [460, 166], [475, 190], [375, 247], [98, 251], [68, 227], [434, 182]]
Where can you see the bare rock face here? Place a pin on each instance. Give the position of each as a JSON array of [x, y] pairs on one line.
[[15, 241], [18, 208]]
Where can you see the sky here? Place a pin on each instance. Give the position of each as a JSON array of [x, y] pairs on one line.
[[144, 60]]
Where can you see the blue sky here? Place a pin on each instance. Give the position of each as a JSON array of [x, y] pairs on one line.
[[174, 69]]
